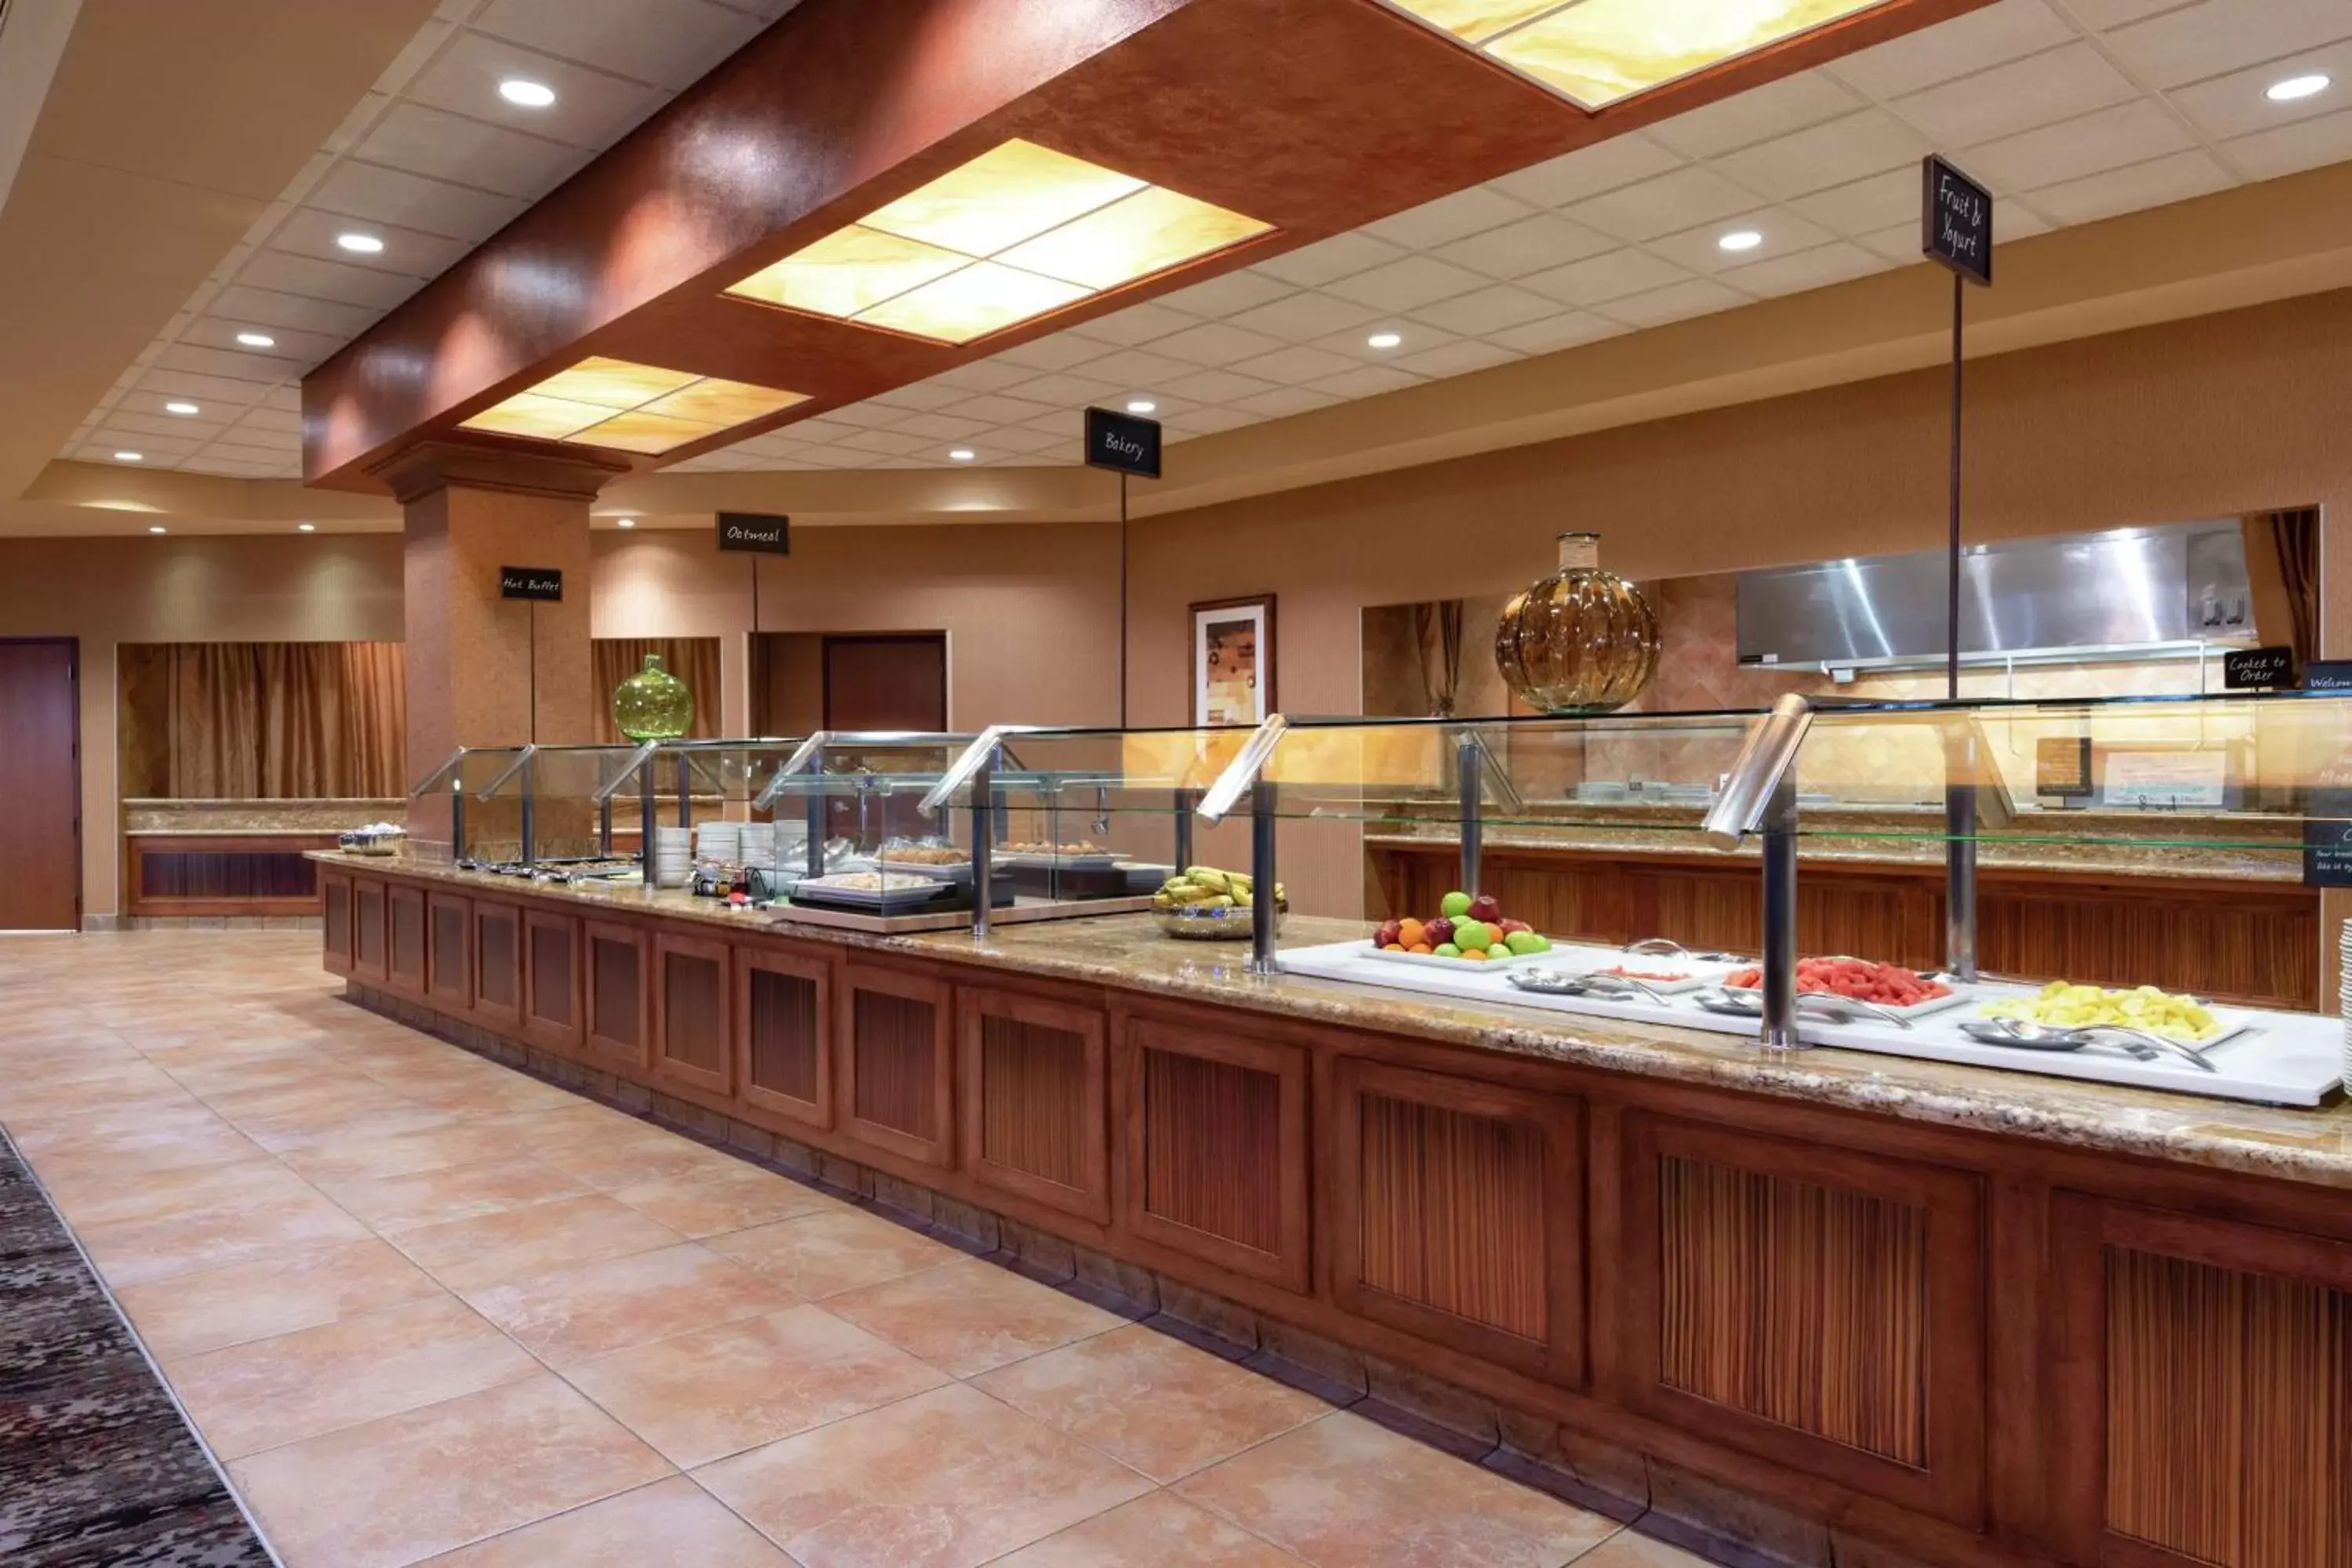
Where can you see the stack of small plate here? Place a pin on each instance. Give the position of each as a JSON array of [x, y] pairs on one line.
[[719, 841], [673, 857], [759, 846], [2344, 953]]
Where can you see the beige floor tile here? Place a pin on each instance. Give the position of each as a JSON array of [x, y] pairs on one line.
[[132, 1252], [468, 1254], [1344, 1494], [965, 1318], [111, 1195], [700, 1205], [946, 1479], [610, 1163], [1151, 1400], [403, 1153], [336, 1124], [272, 1392], [276, 1294], [1626, 1549], [408, 1487], [834, 1249], [701, 1396], [1160, 1531], [670, 1524], [388, 1204], [577, 1314]]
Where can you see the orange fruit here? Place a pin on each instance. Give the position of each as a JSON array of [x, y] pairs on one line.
[[1393, 947], [1420, 947], [1410, 934], [1475, 954]]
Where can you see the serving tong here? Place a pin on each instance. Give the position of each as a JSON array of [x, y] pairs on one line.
[[1669, 947], [1743, 1002], [2143, 1044], [1563, 982]]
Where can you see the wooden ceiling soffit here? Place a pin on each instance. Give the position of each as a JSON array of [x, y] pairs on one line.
[[1311, 117]]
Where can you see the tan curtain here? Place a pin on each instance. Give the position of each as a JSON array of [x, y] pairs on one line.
[[694, 660], [1437, 628], [2295, 536], [287, 720]]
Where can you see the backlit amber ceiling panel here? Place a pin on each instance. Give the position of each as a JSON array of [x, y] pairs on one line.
[[1594, 52], [630, 408], [1017, 232]]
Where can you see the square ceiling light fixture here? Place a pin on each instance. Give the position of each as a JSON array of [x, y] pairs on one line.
[[1594, 52], [1017, 232], [630, 408]]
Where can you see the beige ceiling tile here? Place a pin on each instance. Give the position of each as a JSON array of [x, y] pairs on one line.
[[407, 253], [1217, 387], [1569, 329], [2154, 183], [1973, 42], [1295, 366], [1675, 303], [2104, 13], [1312, 266], [1865, 206], [288, 399], [1137, 365], [1815, 268], [1900, 242], [922, 394], [107, 436], [1001, 370], [1407, 284], [103, 451], [1208, 422], [1602, 277], [1214, 344], [1230, 295], [285, 273], [671, 44], [1069, 424], [1758, 114], [165, 381], [293, 346], [1784, 232], [1588, 171], [2215, 36], [271, 309], [1488, 310], [145, 416], [1836, 153], [1457, 358], [383, 195], [995, 408], [591, 109], [1528, 245], [1665, 204], [1368, 381], [2040, 89], [1303, 316], [870, 414], [1136, 324], [2305, 144], [1015, 439], [1062, 389], [888, 443], [1058, 351], [2239, 105], [1449, 218], [2110, 139], [229, 364], [1284, 401], [427, 141], [1355, 343]]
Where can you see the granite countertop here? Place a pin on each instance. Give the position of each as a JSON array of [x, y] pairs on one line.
[[254, 818], [1131, 953]]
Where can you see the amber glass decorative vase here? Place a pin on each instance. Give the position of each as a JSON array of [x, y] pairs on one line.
[[652, 704], [1583, 640]]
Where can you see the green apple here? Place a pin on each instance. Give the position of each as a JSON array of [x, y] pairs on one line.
[[1470, 934], [1523, 943], [1446, 950], [1543, 943], [1454, 906]]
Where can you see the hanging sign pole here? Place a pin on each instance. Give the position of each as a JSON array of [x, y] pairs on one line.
[[754, 534], [1955, 231], [536, 585], [1126, 445]]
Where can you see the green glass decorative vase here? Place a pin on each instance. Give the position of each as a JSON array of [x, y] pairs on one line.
[[652, 704]]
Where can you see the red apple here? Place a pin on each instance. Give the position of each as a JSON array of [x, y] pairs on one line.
[[1510, 926], [1388, 933], [1485, 908], [1439, 932]]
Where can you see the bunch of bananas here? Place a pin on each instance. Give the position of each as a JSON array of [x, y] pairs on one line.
[[1206, 887]]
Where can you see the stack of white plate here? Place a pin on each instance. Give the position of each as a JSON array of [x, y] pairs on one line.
[[673, 857], [760, 844], [719, 841], [2343, 955]]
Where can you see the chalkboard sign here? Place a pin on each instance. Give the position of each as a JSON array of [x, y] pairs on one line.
[[2061, 767], [758, 532], [1955, 221], [2328, 675], [2328, 838], [2258, 669], [544, 584], [1122, 442]]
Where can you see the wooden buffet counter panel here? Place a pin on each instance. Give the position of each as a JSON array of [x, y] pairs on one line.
[[1951, 1316]]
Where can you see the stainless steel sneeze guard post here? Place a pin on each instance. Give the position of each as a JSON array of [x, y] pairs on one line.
[[983, 841], [1470, 765], [1243, 774], [1975, 796], [1759, 794]]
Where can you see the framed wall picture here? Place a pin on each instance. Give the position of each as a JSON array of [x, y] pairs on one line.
[[1233, 660]]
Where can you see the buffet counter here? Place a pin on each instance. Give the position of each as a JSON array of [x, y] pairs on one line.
[[1656, 1265], [233, 858]]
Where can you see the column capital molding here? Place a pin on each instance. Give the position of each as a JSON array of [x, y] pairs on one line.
[[416, 471]]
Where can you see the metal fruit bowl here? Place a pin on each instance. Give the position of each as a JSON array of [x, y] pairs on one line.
[[1196, 924]]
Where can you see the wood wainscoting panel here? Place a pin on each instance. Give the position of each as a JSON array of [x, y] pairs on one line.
[[692, 1037], [335, 912], [1217, 1149], [403, 924], [783, 1016], [1035, 1099], [1821, 1307], [1456, 1213], [554, 1002], [496, 955], [619, 992], [449, 952], [2204, 1390], [367, 929], [897, 1062]]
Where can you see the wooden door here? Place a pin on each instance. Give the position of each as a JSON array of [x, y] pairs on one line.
[[40, 780], [896, 681]]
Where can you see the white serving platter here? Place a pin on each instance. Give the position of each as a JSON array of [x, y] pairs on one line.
[[1431, 960]]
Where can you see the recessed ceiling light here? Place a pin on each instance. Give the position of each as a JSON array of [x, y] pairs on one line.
[[157, 528], [1384, 339], [360, 244], [305, 528], [181, 407], [962, 454], [130, 456], [1739, 239], [2298, 87], [525, 93], [626, 522], [1141, 405], [257, 340]]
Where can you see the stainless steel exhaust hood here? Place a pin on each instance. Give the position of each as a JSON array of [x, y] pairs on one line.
[[2128, 593]]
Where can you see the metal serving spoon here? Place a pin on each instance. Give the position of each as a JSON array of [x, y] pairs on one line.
[[1668, 946], [1560, 983], [2035, 1036], [1746, 1002]]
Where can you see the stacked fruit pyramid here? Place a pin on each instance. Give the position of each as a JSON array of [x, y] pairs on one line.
[[1473, 929]]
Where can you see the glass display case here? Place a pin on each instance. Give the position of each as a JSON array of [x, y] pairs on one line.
[[2166, 807]]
